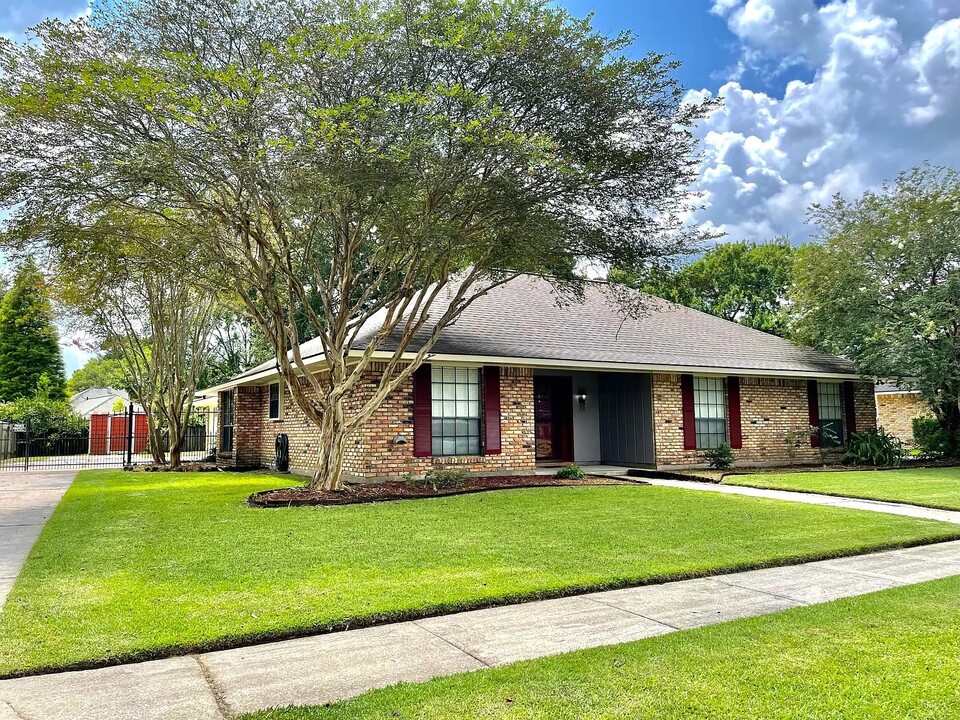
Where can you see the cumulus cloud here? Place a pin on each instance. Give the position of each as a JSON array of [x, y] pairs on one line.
[[884, 96]]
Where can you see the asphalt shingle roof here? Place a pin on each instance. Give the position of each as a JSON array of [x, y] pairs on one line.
[[523, 319]]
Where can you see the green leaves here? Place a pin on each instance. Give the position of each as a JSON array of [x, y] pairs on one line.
[[29, 346], [884, 287], [743, 282]]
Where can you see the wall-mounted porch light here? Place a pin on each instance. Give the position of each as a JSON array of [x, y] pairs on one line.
[[582, 399]]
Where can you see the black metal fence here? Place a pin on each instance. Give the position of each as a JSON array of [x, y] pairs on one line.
[[109, 440]]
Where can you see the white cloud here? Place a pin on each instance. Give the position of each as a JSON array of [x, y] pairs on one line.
[[884, 96]]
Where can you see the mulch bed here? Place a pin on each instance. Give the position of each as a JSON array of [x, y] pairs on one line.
[[399, 490]]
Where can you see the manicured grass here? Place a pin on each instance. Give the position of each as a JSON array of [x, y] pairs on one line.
[[133, 565], [936, 487], [892, 654]]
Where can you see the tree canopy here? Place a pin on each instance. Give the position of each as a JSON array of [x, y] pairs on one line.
[[29, 344], [344, 163], [742, 281], [99, 372], [883, 288]]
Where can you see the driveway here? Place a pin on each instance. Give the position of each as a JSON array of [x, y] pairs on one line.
[[27, 499]]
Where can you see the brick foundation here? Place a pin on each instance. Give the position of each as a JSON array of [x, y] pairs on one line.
[[896, 412], [771, 409]]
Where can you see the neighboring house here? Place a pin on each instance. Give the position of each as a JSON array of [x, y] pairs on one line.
[[110, 430], [96, 401], [897, 407], [520, 381]]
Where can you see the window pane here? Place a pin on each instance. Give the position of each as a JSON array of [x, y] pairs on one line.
[[456, 393], [710, 411], [830, 397]]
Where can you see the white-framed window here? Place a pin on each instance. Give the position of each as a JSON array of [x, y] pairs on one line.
[[710, 411], [830, 400], [274, 401], [457, 410]]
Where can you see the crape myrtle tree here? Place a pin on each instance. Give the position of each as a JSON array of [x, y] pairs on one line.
[[883, 287], [127, 279], [374, 165]]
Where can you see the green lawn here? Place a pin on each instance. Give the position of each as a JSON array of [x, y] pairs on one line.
[[936, 487], [133, 565], [892, 654]]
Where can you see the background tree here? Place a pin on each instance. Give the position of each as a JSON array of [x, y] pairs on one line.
[[236, 345], [884, 287], [373, 166], [106, 371], [744, 282], [29, 344]]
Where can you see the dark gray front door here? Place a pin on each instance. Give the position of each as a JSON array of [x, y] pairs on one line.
[[626, 419]]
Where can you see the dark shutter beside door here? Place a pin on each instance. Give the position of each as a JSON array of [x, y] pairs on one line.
[[491, 410], [422, 412]]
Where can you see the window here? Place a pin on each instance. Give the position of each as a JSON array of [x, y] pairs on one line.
[[455, 394], [830, 397], [273, 413], [226, 421], [710, 411]]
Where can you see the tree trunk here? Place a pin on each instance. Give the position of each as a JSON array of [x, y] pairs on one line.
[[333, 450], [154, 437]]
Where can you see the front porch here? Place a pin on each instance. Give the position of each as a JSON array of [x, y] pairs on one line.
[[593, 418]]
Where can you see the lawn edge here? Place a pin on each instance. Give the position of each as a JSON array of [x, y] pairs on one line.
[[236, 642], [836, 494]]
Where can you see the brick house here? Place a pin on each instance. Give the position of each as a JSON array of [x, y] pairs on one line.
[[896, 409], [522, 380]]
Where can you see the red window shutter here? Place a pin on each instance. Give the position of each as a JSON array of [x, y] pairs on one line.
[[850, 410], [422, 412], [733, 412], [813, 404], [491, 410], [689, 416]]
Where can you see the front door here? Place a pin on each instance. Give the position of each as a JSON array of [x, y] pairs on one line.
[[553, 417]]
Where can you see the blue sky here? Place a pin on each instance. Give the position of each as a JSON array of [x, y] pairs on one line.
[[819, 96]]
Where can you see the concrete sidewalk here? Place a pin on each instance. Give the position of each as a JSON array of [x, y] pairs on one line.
[[326, 668], [27, 500]]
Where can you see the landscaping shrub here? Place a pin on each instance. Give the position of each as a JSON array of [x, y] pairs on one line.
[[929, 438], [439, 479], [873, 447], [720, 457], [570, 472], [47, 418]]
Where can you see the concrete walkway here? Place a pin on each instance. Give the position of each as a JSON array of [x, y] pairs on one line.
[[26, 501], [891, 508], [326, 668]]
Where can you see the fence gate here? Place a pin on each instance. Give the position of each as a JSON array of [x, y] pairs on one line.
[[110, 440]]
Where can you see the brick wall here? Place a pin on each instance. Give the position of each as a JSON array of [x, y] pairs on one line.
[[896, 411], [771, 410], [372, 451]]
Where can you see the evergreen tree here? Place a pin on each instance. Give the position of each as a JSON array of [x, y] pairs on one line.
[[29, 346]]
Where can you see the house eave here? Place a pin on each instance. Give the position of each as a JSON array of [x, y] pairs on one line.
[[317, 363]]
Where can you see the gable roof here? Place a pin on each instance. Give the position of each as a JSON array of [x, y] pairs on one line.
[[522, 321]]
